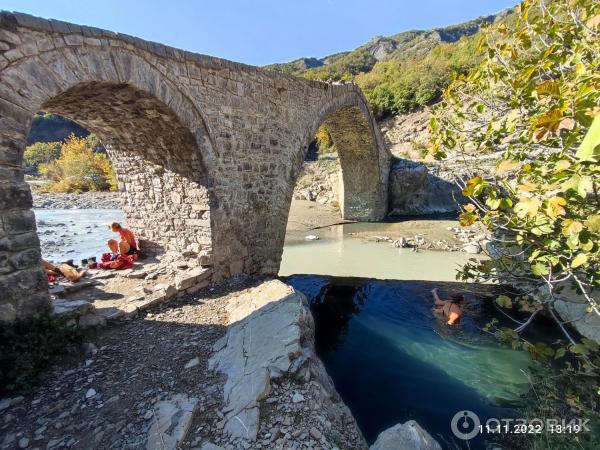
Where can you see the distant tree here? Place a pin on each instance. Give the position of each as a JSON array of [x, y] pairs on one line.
[[40, 153], [324, 140], [79, 168]]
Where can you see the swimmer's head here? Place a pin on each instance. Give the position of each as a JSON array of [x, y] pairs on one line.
[[457, 297]]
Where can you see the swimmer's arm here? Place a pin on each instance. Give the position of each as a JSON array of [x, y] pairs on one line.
[[438, 300]]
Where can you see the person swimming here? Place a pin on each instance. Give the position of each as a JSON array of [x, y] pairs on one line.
[[449, 310]]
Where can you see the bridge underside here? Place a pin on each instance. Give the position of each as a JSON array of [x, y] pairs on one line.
[[206, 151]]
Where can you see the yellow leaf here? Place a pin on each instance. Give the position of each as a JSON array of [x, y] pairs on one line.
[[550, 119], [527, 207], [593, 223], [561, 165], [474, 181], [466, 219], [555, 206], [549, 87], [507, 166], [579, 260], [593, 21], [571, 227], [526, 187]]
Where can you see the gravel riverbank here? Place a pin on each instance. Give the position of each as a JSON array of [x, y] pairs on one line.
[[85, 200]]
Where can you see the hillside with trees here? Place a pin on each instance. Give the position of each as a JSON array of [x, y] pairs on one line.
[[403, 72]]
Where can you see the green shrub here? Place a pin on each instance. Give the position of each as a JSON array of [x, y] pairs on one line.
[[399, 86], [40, 153], [29, 346]]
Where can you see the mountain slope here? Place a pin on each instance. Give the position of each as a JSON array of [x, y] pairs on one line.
[[408, 44], [403, 72]]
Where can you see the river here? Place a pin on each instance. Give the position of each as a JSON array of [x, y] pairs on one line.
[[389, 357]]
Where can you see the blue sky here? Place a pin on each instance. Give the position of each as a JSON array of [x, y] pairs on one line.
[[260, 31]]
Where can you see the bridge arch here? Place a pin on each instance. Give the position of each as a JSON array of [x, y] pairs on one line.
[[221, 145], [363, 157], [154, 135], [364, 162]]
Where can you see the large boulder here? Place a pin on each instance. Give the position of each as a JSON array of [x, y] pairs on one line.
[[405, 436], [271, 337], [415, 190]]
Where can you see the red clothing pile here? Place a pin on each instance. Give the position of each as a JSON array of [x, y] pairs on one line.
[[111, 261]]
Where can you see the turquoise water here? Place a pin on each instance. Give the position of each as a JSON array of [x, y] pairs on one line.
[[391, 360]]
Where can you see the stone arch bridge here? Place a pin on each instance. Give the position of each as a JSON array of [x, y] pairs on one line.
[[206, 151]]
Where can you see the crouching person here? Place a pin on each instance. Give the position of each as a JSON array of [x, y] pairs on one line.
[[126, 245]]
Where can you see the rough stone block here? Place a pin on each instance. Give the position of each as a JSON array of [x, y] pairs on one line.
[[171, 421], [18, 221], [25, 259], [13, 194], [72, 308], [8, 313], [92, 321], [165, 290], [192, 277], [405, 436]]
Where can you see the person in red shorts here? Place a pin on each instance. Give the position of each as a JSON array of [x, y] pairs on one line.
[[127, 245]]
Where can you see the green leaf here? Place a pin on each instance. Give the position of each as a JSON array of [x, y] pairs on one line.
[[590, 344], [527, 207], [504, 301], [560, 353], [589, 150], [579, 349], [585, 186], [466, 219], [539, 269], [593, 223], [571, 183]]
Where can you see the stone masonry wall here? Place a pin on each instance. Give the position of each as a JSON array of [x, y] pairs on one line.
[[207, 151]]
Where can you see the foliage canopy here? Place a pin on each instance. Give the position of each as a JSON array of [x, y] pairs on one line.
[[79, 168], [535, 97]]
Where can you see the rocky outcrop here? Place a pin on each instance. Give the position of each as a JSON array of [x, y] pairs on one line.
[[171, 420], [269, 359], [405, 436], [414, 190], [319, 181], [575, 312]]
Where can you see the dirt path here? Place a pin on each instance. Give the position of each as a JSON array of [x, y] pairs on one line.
[[104, 399]]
